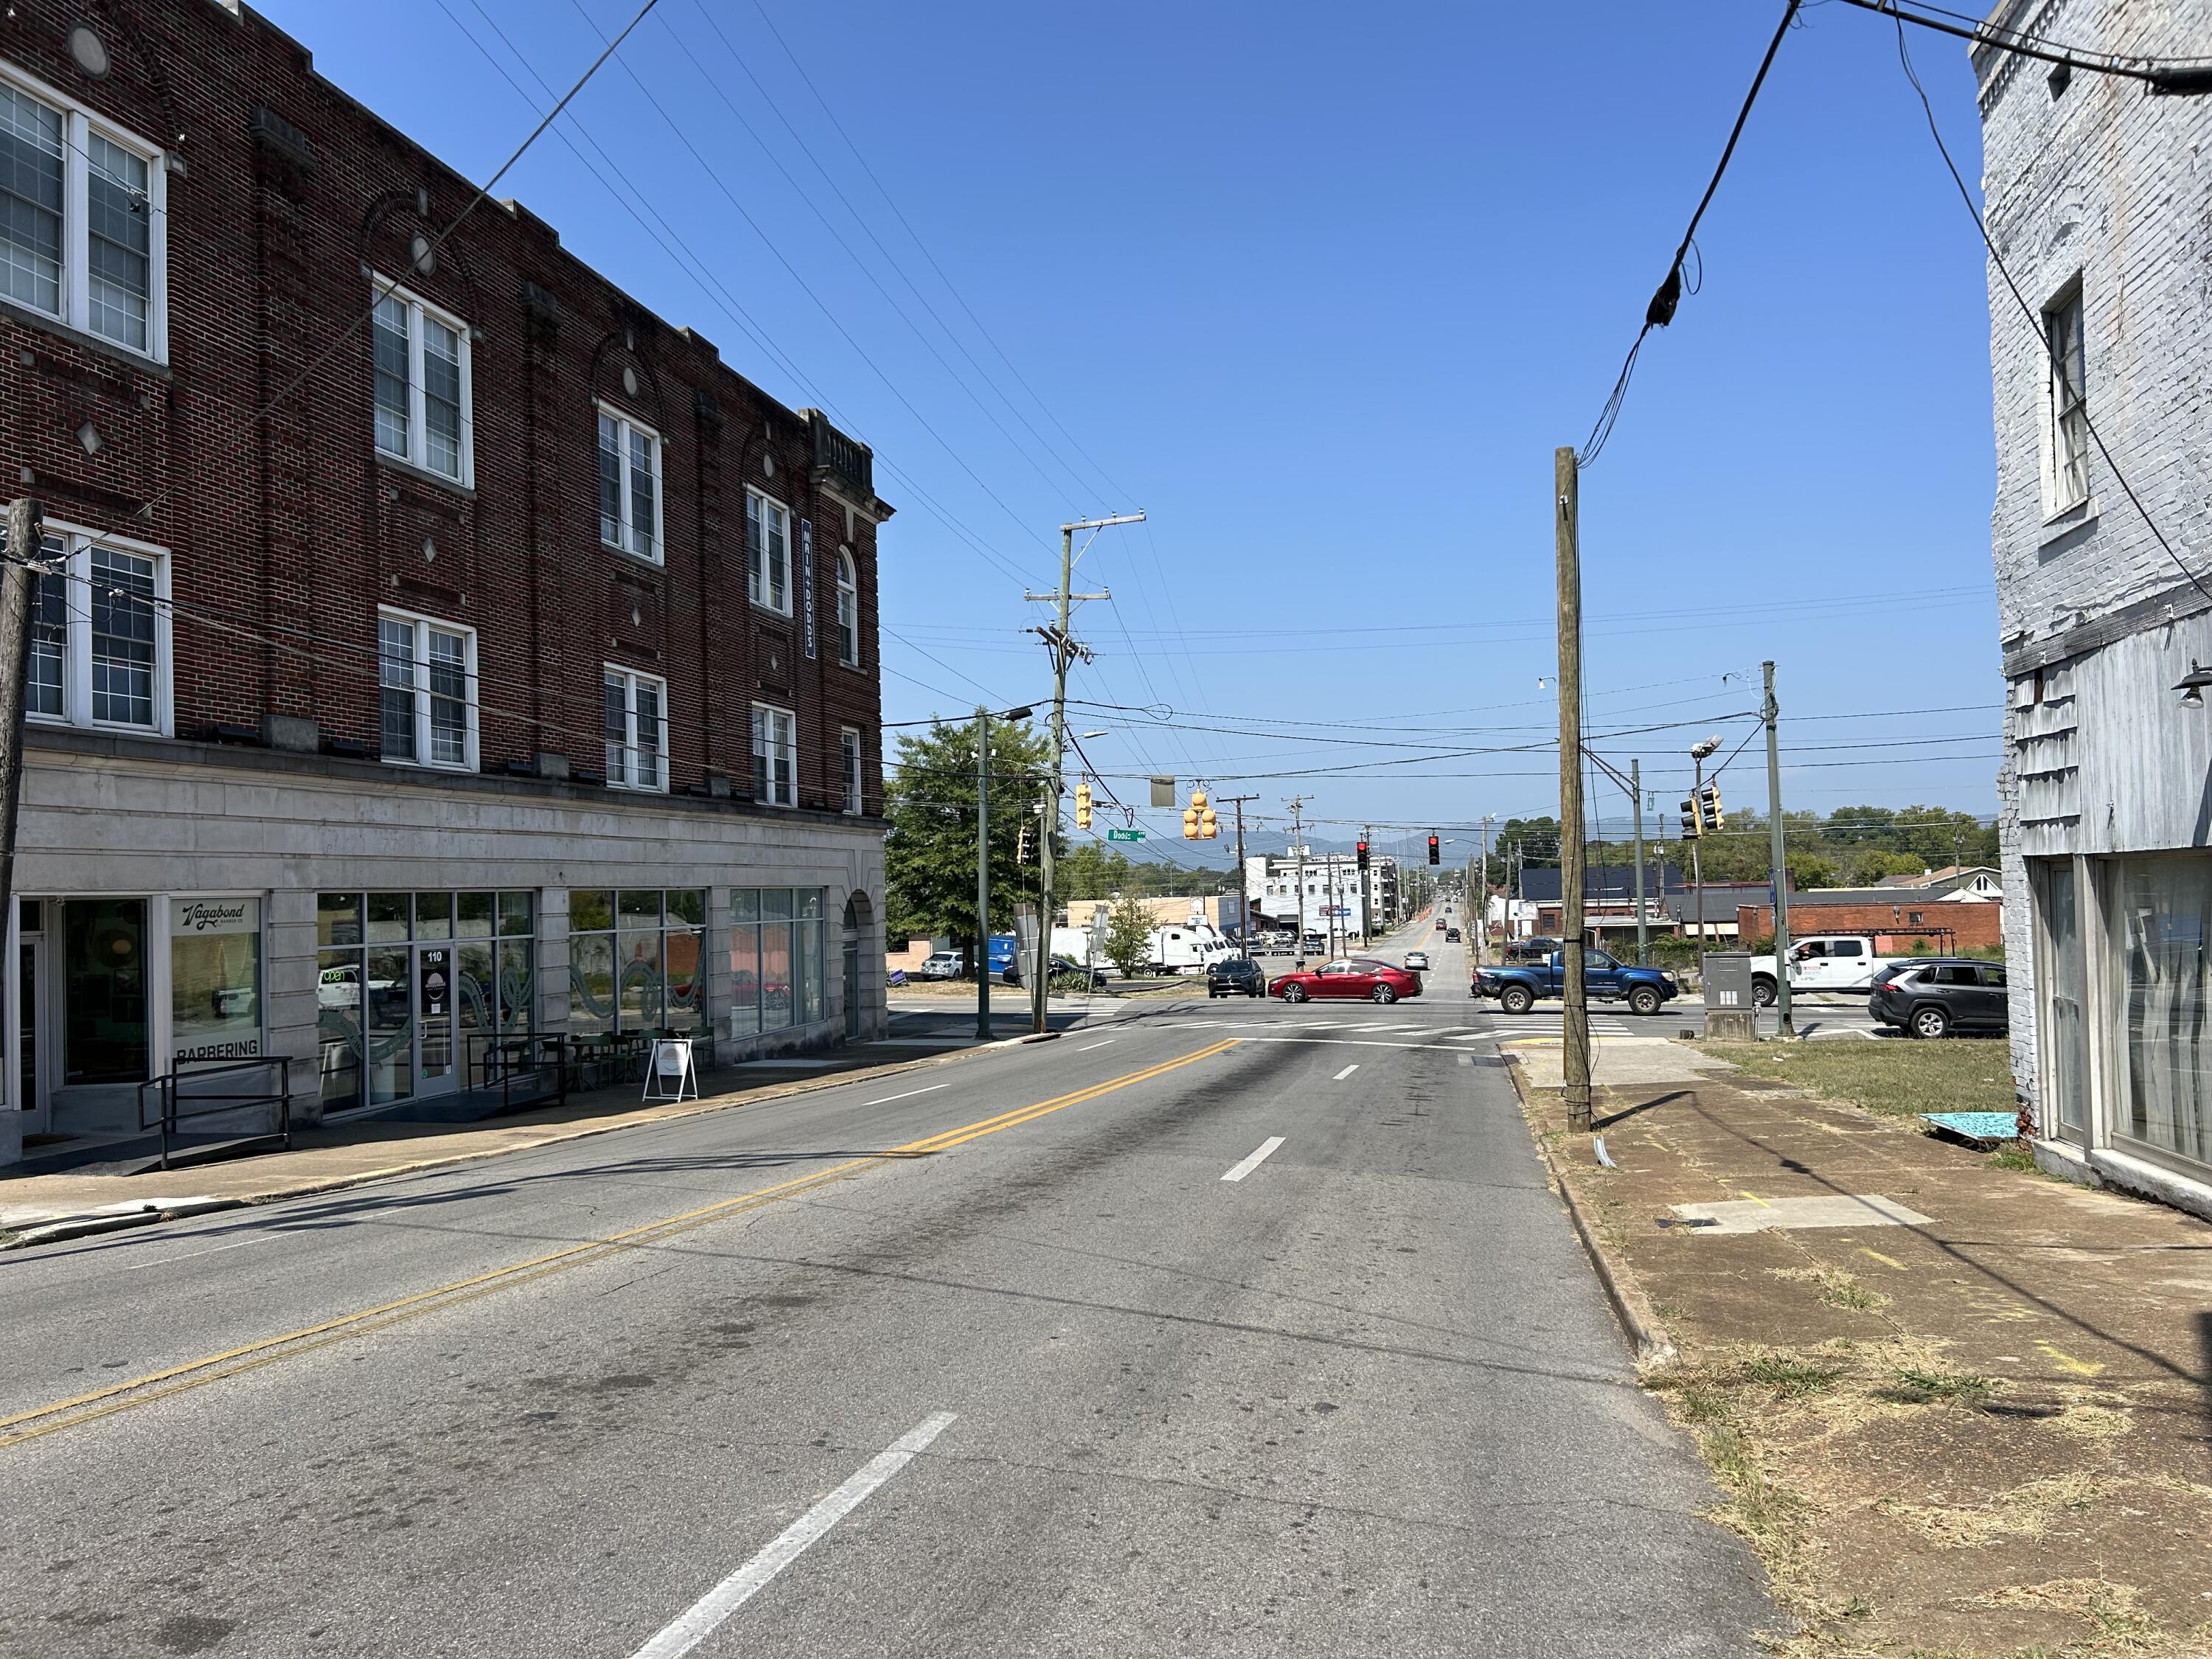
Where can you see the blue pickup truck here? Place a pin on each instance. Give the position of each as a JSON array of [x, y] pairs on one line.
[[1518, 986]]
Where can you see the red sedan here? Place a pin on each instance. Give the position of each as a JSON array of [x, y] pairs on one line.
[[1356, 978]]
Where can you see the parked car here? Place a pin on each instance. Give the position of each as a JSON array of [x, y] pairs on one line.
[[941, 964], [1068, 967], [1933, 997], [1452, 935], [1312, 944], [1538, 949], [1823, 962], [1519, 987], [1232, 976], [1417, 961], [1350, 978]]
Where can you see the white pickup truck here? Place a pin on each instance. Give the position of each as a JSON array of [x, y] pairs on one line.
[[1824, 961]]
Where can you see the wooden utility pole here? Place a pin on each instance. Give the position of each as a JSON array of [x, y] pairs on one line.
[[1779, 855], [17, 586], [1298, 851], [982, 875], [1064, 650], [1575, 1028], [1636, 803]]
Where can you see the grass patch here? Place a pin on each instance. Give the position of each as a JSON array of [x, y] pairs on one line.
[[1925, 1387], [1767, 1515], [1791, 1379], [2013, 1155], [1895, 1078], [1838, 1289]]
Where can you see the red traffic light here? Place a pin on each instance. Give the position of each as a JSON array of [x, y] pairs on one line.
[[1436, 850]]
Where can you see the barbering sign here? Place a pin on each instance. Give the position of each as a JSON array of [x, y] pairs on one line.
[[806, 581]]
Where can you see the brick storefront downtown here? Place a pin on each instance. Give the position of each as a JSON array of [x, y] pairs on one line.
[[437, 644]]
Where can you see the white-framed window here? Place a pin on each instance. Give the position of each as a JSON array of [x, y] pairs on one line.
[[768, 552], [637, 730], [775, 756], [2066, 405], [629, 485], [848, 610], [100, 645], [848, 768], [423, 413], [426, 690], [83, 218]]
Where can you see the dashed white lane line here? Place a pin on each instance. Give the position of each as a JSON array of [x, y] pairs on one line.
[[909, 1095], [1345, 1073], [194, 1255], [1267, 1147], [706, 1613], [1088, 1047]]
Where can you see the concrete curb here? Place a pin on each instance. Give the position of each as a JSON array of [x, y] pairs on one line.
[[65, 1226], [1648, 1338]]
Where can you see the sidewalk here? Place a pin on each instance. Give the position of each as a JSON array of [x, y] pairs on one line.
[[1959, 1407], [37, 1209]]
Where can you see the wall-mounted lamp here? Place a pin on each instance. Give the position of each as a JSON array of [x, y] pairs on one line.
[[2192, 685]]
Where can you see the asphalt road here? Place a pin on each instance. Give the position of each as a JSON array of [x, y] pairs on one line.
[[1224, 1328]]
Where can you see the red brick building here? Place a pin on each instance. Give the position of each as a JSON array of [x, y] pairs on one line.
[[391, 553]]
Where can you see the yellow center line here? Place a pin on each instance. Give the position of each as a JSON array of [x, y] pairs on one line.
[[231, 1362], [1755, 1199]]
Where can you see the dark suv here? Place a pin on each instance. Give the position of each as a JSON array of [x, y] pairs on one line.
[[1934, 996], [1530, 949], [1229, 977]]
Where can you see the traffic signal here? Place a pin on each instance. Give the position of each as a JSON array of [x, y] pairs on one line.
[[1436, 850], [1022, 844], [1362, 846], [1690, 829], [1709, 803], [1083, 805], [1209, 826], [1193, 815]]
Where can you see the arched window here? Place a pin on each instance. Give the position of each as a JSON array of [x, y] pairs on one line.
[[848, 611]]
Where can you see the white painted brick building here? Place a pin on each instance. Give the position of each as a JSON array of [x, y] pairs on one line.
[[2099, 203]]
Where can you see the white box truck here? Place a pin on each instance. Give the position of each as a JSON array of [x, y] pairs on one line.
[[1187, 947]]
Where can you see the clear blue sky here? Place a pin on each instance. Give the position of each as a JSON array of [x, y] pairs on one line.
[[1321, 291]]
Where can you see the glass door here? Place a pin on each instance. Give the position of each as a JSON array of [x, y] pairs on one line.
[[389, 991], [435, 1071], [33, 1071]]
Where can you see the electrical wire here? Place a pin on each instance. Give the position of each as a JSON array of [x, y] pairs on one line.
[[2034, 318], [1661, 311], [2161, 75]]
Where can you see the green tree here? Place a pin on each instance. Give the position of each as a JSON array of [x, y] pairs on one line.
[[1129, 936], [929, 847]]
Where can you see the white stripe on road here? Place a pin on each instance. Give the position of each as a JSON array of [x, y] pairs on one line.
[[909, 1095], [1345, 1073], [193, 1256], [706, 1613], [1267, 1147], [1088, 1047]]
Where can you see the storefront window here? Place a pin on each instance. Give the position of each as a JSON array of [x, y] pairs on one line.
[[215, 979], [2161, 935], [776, 959], [2065, 1057], [405, 981], [634, 958], [103, 989]]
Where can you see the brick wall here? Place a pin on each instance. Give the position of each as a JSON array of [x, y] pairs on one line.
[[1972, 925], [286, 534]]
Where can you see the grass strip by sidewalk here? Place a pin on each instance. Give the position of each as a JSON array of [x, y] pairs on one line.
[[1898, 1078]]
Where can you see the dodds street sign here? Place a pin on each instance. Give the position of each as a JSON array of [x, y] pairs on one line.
[[1125, 834]]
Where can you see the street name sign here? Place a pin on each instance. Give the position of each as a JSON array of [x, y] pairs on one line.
[[1125, 834]]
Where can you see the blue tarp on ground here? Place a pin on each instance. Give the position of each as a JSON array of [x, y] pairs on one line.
[[1975, 1126]]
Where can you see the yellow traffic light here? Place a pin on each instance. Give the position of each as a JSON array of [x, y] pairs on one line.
[[1194, 816], [1083, 805], [1209, 826]]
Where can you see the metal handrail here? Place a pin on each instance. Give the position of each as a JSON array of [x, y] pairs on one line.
[[168, 1114]]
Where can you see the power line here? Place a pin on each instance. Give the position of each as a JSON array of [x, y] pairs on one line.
[[2034, 318], [2161, 75], [1661, 311]]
